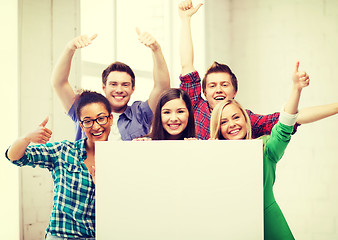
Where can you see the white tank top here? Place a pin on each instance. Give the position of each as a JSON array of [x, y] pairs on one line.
[[114, 131]]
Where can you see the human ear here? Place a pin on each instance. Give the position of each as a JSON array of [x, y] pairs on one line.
[[81, 126], [111, 119], [234, 95]]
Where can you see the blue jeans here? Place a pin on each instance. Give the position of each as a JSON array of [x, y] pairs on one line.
[[50, 237]]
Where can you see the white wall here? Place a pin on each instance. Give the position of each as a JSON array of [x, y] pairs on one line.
[[261, 40], [9, 174], [45, 28]]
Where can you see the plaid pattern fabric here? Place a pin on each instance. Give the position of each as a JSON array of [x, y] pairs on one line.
[[191, 83], [134, 122], [73, 214]]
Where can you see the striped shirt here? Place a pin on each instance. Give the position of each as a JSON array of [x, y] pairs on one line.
[[191, 83], [73, 213]]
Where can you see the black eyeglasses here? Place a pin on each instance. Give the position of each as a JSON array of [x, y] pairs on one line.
[[102, 120]]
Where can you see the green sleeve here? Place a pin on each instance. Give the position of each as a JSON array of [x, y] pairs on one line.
[[278, 141]]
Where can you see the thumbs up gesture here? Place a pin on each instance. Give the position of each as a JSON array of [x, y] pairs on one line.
[[81, 41], [148, 40], [300, 78], [186, 9], [42, 134]]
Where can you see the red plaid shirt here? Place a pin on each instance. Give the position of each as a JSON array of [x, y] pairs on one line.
[[191, 83]]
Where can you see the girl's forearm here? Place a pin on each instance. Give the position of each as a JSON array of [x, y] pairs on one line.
[[18, 148], [312, 114]]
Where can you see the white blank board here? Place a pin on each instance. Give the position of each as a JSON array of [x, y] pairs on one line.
[[179, 190]]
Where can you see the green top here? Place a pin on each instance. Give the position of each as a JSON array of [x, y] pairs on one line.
[[275, 225]]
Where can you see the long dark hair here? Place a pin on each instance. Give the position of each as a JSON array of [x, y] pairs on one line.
[[157, 130]]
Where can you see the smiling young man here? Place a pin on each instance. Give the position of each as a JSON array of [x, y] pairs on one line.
[[118, 84], [220, 83]]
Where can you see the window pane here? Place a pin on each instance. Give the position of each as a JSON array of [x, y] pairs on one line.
[[149, 16], [98, 17], [118, 40]]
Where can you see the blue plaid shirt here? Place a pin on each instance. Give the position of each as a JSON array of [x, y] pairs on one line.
[[73, 213]]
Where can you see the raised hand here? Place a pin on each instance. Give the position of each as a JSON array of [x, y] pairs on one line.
[[300, 78], [186, 9], [41, 135], [148, 40], [81, 41]]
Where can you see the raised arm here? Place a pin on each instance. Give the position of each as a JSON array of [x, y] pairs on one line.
[[300, 80], [160, 69], [281, 133], [263, 124], [61, 70], [312, 114], [185, 11], [40, 135]]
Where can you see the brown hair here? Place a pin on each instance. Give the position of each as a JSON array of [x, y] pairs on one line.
[[218, 67], [118, 67]]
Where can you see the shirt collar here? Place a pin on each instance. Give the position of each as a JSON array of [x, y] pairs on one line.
[[80, 145], [128, 113]]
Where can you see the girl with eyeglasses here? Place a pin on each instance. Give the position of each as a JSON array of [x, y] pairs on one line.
[[72, 166]]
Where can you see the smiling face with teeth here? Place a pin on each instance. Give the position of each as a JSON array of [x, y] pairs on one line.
[[97, 132], [175, 117], [118, 90], [233, 123], [218, 88]]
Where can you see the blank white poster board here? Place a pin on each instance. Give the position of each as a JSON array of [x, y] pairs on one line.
[[179, 190]]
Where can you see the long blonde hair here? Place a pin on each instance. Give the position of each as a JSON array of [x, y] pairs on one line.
[[215, 121]]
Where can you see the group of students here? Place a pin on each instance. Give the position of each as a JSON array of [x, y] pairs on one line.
[[168, 114]]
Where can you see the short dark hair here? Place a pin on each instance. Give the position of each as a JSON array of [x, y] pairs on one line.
[[118, 67], [87, 97], [157, 130], [218, 67]]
